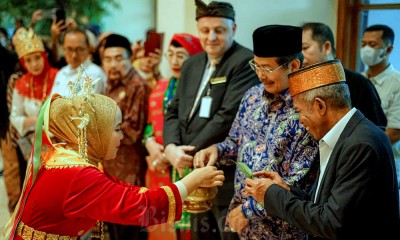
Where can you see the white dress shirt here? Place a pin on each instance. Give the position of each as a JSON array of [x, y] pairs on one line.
[[212, 64], [68, 73]]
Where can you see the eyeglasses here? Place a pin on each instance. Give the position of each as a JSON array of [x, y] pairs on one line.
[[264, 70], [77, 50]]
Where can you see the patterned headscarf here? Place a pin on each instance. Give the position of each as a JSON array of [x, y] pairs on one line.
[[63, 122]]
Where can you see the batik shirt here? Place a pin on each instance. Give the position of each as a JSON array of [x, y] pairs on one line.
[[266, 134]]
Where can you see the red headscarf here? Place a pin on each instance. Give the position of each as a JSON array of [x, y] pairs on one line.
[[44, 80], [187, 41]]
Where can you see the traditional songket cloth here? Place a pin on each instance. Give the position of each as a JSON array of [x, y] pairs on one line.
[[154, 128], [66, 193], [267, 135], [159, 100]]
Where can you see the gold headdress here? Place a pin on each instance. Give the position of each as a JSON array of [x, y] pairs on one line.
[[83, 119], [68, 119], [27, 42], [315, 76]]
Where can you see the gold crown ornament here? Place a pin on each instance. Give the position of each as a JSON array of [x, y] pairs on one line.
[[26, 42], [317, 75]]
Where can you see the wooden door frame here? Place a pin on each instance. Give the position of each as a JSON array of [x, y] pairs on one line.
[[348, 29]]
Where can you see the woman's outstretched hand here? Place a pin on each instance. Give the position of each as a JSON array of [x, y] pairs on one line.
[[203, 177]]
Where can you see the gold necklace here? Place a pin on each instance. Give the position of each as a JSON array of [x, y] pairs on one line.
[[44, 90]]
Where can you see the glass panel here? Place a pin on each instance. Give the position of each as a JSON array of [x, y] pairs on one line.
[[390, 18], [380, 1]]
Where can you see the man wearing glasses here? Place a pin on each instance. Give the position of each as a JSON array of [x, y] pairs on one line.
[[266, 134], [76, 50]]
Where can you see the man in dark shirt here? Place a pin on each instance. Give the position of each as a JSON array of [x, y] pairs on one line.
[[319, 46]]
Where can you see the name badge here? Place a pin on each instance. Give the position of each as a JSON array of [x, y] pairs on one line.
[[205, 107], [218, 80]]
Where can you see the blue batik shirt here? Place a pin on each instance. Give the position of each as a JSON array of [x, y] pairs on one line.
[[266, 135]]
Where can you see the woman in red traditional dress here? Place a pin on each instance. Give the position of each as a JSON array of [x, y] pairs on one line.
[[29, 92], [65, 191], [181, 47]]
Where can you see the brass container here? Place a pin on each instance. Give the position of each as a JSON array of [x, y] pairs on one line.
[[200, 200]]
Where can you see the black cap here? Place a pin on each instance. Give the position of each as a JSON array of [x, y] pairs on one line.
[[277, 41], [214, 9], [116, 40]]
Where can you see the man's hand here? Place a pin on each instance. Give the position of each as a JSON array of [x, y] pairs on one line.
[[156, 164], [393, 134], [206, 156], [156, 159], [236, 220], [71, 23], [36, 16], [257, 187], [178, 157], [137, 50], [56, 28], [155, 58]]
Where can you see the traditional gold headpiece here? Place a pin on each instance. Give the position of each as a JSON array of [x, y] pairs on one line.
[[80, 106], [27, 42], [82, 86], [315, 76]]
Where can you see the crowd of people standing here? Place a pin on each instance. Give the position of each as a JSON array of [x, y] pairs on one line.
[[321, 142]]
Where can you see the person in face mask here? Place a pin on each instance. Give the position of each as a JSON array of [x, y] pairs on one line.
[[376, 46]]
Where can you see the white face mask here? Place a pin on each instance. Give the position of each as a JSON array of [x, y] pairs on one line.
[[372, 56], [3, 41]]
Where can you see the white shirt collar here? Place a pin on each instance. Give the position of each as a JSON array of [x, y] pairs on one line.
[[380, 78], [332, 136]]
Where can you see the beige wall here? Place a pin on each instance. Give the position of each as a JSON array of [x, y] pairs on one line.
[[132, 19], [179, 16]]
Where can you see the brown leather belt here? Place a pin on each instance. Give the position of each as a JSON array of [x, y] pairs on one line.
[[28, 233]]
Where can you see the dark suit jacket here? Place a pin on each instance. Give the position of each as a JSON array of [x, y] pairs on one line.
[[365, 98], [226, 96], [358, 196]]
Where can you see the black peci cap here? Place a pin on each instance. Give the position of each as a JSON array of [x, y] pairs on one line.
[[277, 41], [116, 40]]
